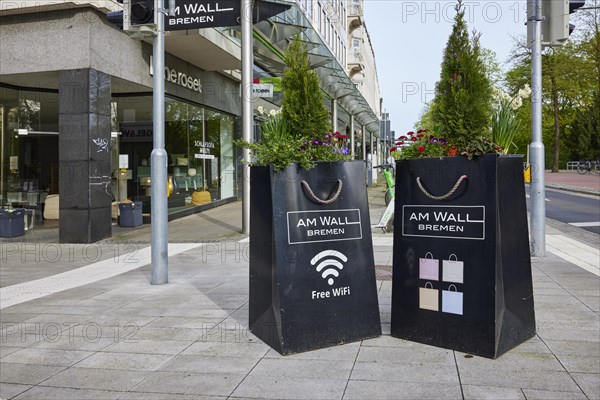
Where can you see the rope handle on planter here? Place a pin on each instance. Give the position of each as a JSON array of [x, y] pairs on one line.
[[321, 201], [443, 197]]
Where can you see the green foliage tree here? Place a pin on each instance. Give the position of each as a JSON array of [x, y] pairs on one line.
[[570, 77], [302, 104], [584, 135], [462, 103]]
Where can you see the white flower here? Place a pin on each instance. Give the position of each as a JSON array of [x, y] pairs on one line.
[[516, 103], [261, 109], [496, 93], [273, 113], [525, 91]]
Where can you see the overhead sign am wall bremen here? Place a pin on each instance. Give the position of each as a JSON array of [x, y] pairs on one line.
[[197, 14]]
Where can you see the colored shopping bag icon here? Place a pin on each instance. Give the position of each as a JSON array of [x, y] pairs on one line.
[[429, 268], [452, 270], [452, 301], [428, 298]]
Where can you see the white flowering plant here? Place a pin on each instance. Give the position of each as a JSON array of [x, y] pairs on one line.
[[505, 124]]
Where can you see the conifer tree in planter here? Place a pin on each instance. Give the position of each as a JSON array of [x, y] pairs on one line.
[[462, 269], [312, 273], [463, 96]]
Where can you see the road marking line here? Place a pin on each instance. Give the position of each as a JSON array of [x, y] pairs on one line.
[[575, 252], [22, 292], [584, 224]]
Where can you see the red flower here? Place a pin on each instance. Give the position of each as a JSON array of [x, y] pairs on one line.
[[400, 143], [410, 133], [452, 152], [421, 149], [455, 76], [420, 135], [402, 137], [414, 139], [420, 131], [393, 148]]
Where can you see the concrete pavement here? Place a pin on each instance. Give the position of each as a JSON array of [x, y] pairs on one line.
[[83, 322]]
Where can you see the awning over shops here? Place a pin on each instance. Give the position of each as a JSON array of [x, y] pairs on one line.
[[273, 35]]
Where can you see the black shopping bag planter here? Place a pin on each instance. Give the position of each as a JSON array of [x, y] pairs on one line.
[[130, 214], [12, 222], [462, 267], [312, 272]]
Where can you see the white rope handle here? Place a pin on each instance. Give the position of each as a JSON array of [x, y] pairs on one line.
[[321, 201], [443, 197]]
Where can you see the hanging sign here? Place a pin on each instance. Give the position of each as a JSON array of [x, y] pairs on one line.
[[196, 14], [262, 90]]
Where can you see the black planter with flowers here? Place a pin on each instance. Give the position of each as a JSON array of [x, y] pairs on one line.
[[12, 222], [462, 270], [312, 271]]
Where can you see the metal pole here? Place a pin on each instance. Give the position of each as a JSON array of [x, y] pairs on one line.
[[364, 142], [334, 114], [158, 159], [537, 186], [247, 107], [352, 136]]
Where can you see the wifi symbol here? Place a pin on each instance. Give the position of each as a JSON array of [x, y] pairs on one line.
[[329, 262]]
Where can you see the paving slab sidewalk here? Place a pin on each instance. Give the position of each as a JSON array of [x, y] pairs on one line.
[[122, 338]]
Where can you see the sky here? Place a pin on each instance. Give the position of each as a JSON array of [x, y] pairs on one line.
[[409, 38]]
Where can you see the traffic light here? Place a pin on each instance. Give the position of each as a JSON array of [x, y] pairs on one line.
[[555, 26], [141, 13]]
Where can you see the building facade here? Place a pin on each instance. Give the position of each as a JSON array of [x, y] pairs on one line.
[[76, 107]]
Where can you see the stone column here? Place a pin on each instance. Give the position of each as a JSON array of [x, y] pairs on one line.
[[84, 156]]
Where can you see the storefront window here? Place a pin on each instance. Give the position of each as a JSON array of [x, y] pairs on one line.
[[28, 147], [199, 145]]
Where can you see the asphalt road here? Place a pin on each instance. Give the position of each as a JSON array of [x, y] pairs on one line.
[[577, 210]]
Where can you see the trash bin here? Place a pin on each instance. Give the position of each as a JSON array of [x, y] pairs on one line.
[[130, 214], [461, 266], [312, 271], [12, 222]]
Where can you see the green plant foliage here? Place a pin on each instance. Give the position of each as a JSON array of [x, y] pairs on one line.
[[301, 132], [584, 135], [462, 103], [302, 104], [505, 125], [505, 121]]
